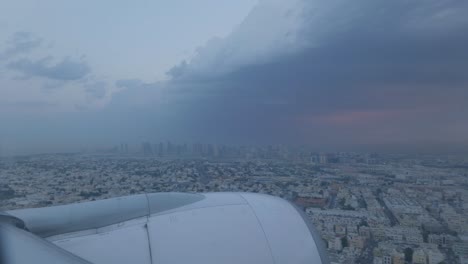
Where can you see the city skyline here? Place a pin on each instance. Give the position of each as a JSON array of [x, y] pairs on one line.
[[137, 147]]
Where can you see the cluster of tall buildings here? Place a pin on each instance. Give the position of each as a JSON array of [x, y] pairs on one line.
[[170, 149], [281, 152], [343, 157]]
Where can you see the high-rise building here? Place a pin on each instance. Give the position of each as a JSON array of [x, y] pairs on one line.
[[323, 159], [161, 149], [147, 150], [170, 148]]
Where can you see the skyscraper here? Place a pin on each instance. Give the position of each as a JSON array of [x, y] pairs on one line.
[[147, 150]]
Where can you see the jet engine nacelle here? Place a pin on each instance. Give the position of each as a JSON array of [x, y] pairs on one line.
[[165, 228]]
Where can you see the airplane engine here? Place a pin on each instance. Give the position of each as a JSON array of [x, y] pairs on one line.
[[163, 228]]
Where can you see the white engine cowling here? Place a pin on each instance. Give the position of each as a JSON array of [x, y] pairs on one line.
[[180, 228]]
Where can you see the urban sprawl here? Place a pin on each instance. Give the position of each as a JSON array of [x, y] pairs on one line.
[[368, 208]]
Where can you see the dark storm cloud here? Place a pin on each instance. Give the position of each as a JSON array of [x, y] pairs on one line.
[[20, 43], [178, 70], [65, 70], [363, 71]]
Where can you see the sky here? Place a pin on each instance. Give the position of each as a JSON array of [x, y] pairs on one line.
[[338, 74]]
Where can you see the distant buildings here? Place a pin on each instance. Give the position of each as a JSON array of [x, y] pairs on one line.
[[124, 148], [147, 149]]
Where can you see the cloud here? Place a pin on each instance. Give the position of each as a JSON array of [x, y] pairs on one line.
[[276, 30], [20, 43], [65, 70], [178, 70], [271, 29], [353, 69], [328, 73]]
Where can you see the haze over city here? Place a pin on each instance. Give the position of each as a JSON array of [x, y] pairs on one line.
[[246, 131], [372, 75]]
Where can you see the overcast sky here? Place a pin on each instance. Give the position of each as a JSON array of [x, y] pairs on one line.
[[332, 74]]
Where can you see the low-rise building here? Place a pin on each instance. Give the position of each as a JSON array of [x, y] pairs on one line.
[[419, 257]]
